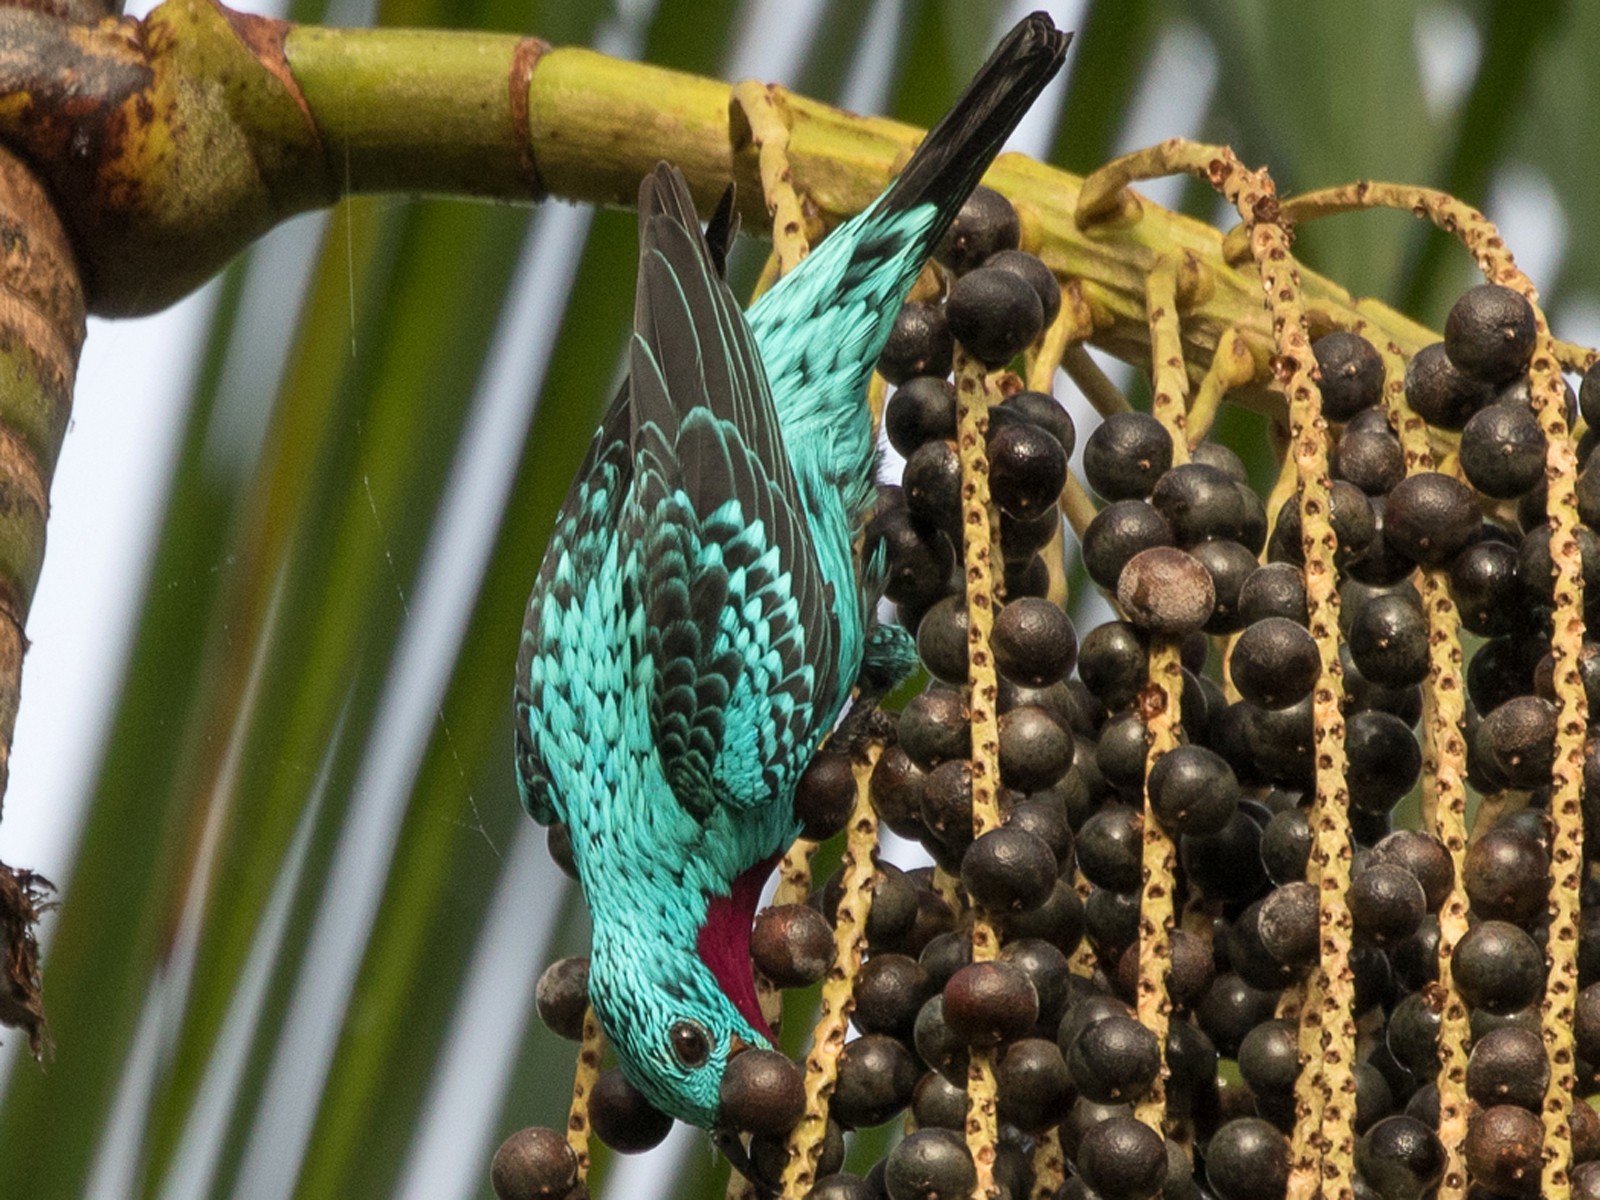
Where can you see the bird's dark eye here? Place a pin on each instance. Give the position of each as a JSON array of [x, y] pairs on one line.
[[691, 1043]]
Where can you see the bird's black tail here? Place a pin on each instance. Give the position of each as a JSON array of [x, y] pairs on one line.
[[957, 151]]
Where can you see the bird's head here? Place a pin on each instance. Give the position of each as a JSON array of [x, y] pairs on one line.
[[673, 1028]]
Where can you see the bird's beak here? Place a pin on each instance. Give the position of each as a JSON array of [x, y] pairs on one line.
[[737, 1045], [727, 1140]]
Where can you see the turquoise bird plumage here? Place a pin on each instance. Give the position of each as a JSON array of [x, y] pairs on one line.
[[700, 617]]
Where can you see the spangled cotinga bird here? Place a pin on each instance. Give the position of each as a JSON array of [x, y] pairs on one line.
[[700, 617]]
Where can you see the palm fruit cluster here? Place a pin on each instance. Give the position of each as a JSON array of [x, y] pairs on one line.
[[1197, 560]]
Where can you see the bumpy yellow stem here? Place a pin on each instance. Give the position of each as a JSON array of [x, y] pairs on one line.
[[583, 1081], [1073, 324], [1232, 366], [975, 392], [1573, 357], [1444, 795], [1566, 783], [1330, 1074], [1478, 234], [1160, 854], [794, 873], [838, 989], [1049, 1165], [767, 114], [1169, 380], [1161, 702]]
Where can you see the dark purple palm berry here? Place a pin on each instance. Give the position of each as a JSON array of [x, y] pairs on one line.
[[1589, 396], [889, 992], [1034, 1088], [1229, 564], [1193, 790], [1109, 847], [1389, 641], [1248, 1159], [1113, 663], [1504, 1150], [1275, 590], [1488, 594], [986, 1003], [933, 727], [986, 225], [1387, 903], [1035, 748], [1275, 663], [1286, 846], [1425, 857], [1058, 921], [1430, 517], [922, 410], [1508, 1066], [1042, 410], [937, 1103], [825, 795], [1034, 642], [1287, 926], [1113, 1060], [1122, 1159], [931, 483], [562, 996], [994, 314], [919, 343], [1502, 451], [1519, 739], [1400, 1158], [1352, 373], [534, 1164], [1413, 1032], [1022, 538], [761, 1092], [1009, 870], [1199, 502], [1498, 967], [1046, 819], [1383, 762], [896, 791], [1371, 459], [624, 1120], [1440, 392], [1126, 454], [919, 558], [1027, 469], [1507, 876], [1269, 1058], [1226, 865], [1119, 531], [1031, 268], [792, 945], [1489, 333], [876, 1077], [930, 1164], [937, 1044]]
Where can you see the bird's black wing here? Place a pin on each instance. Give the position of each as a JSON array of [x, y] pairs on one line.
[[739, 625], [548, 658]]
